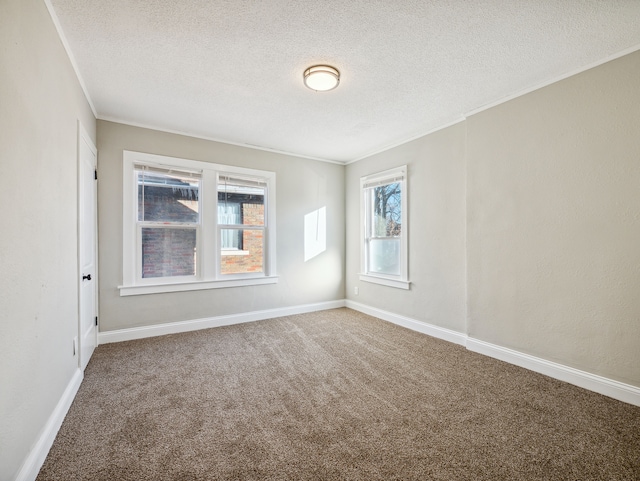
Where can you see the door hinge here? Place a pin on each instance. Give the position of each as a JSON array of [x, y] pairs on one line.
[[95, 174], [96, 320]]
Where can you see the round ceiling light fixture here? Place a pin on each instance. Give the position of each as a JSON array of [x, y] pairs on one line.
[[321, 78]]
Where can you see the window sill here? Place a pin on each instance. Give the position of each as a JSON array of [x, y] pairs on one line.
[[194, 286], [385, 281], [233, 252]]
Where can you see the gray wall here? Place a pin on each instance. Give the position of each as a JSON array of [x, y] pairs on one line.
[[551, 182], [303, 186], [436, 188], [40, 104], [553, 241]]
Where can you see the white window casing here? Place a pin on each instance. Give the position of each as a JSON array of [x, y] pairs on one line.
[[210, 253], [384, 235]]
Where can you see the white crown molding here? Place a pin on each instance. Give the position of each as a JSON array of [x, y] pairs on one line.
[[209, 322], [406, 141], [36, 457], [553, 80], [72, 59], [214, 139], [500, 101]]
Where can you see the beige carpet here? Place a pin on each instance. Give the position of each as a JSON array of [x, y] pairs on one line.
[[327, 396]]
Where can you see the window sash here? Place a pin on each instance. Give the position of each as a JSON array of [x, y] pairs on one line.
[[230, 179], [163, 261], [164, 227], [386, 217], [167, 170], [226, 262], [370, 184], [229, 241]]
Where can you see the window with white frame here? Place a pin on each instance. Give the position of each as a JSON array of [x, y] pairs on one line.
[[195, 225], [384, 228]]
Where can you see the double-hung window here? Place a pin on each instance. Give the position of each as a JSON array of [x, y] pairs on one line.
[[384, 258], [195, 225]]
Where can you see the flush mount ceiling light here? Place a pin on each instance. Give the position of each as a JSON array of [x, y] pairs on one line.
[[321, 78]]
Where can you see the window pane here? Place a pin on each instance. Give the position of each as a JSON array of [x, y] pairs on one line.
[[229, 213], [240, 202], [247, 257], [167, 197], [384, 256], [168, 252], [386, 210], [231, 239]]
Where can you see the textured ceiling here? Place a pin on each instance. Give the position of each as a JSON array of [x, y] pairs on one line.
[[231, 70]]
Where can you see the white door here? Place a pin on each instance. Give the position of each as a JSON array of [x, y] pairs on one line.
[[87, 228]]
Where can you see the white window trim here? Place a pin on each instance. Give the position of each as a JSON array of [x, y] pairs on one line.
[[401, 281], [234, 252], [208, 264], [195, 285], [385, 281]]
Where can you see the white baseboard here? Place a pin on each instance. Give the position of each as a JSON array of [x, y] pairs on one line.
[[36, 457], [206, 323], [592, 382], [608, 387], [429, 329], [602, 385]]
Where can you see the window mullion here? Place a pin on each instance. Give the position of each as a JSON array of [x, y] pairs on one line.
[[208, 217]]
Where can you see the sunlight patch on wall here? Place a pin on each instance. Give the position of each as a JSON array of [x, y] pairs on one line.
[[315, 233]]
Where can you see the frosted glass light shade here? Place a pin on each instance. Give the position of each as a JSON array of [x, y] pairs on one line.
[[321, 78]]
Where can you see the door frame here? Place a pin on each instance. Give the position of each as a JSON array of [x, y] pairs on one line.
[[83, 137]]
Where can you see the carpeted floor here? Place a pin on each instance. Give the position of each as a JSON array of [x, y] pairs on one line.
[[328, 396]]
